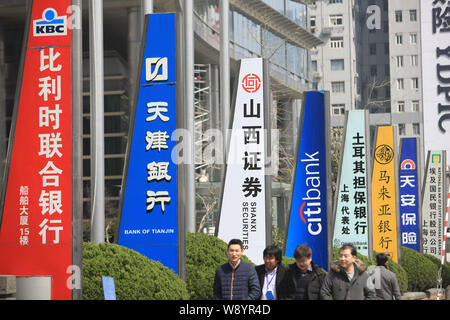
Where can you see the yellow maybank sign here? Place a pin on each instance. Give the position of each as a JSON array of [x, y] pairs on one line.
[[384, 211]]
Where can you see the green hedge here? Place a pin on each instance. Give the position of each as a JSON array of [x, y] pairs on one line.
[[135, 276], [445, 269], [204, 253], [422, 273]]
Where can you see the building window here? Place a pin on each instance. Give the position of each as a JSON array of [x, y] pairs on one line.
[[398, 16], [336, 20], [415, 83], [416, 128], [401, 129], [373, 49], [337, 64], [399, 60], [335, 1], [399, 38], [413, 38], [401, 106], [312, 24], [338, 87], [413, 15], [338, 109], [373, 70], [400, 84], [414, 60], [387, 69], [337, 42], [415, 106], [314, 65]]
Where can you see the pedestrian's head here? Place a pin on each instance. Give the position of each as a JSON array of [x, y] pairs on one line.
[[347, 255], [235, 250], [303, 257], [381, 259], [272, 257]]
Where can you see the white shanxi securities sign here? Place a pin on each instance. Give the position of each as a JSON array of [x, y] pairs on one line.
[[243, 211]]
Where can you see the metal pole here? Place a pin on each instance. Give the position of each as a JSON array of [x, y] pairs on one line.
[[189, 115], [147, 7], [134, 41], [225, 71], [77, 148], [97, 122]]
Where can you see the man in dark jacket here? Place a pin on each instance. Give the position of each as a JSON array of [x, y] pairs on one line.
[[304, 277], [271, 275], [236, 279], [385, 281], [347, 279]]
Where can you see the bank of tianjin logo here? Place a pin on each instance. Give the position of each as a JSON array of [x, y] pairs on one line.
[[251, 83], [50, 24], [156, 69]]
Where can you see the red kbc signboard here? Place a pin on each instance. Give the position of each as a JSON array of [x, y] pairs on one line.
[[36, 225]]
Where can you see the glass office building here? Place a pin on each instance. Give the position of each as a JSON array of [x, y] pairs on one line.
[[273, 29]]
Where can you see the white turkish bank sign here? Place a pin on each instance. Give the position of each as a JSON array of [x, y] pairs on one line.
[[351, 215], [243, 211], [435, 31]]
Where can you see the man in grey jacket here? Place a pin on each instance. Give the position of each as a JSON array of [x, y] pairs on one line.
[[385, 281], [347, 278]]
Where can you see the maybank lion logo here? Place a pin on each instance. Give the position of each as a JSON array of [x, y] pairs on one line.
[[384, 154]]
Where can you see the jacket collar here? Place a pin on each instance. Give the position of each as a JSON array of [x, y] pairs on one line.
[[359, 265]]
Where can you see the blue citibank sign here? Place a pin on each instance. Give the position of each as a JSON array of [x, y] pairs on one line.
[[308, 213], [149, 217]]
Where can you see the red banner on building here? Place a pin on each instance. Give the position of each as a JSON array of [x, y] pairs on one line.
[[36, 220]]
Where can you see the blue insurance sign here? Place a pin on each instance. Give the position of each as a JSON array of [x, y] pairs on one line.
[[308, 214], [149, 200], [408, 187]]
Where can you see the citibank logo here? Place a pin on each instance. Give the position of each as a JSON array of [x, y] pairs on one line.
[[408, 164], [50, 24], [251, 83], [312, 198]]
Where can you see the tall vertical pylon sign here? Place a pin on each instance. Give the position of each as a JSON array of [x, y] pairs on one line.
[[148, 205], [351, 223], [36, 208], [246, 206], [408, 193], [384, 200], [433, 203], [310, 205]]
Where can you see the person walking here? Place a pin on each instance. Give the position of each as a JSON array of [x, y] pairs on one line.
[[271, 275], [304, 277], [236, 279], [347, 279], [385, 281]]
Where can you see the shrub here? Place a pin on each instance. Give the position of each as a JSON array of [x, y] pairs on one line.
[[445, 269], [422, 273], [204, 253], [135, 276]]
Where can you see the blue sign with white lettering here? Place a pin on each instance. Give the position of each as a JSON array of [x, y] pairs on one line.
[[149, 217], [408, 195], [308, 214]]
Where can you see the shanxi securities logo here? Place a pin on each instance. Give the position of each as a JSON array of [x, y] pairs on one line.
[[251, 83]]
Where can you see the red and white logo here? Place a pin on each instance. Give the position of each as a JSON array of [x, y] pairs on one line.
[[251, 83]]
